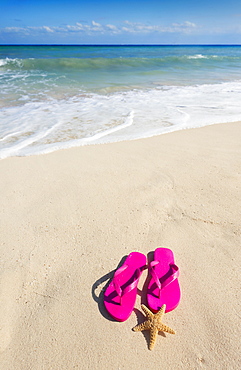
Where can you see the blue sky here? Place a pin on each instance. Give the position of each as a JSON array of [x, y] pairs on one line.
[[120, 22]]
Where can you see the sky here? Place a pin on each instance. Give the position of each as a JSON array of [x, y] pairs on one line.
[[120, 22]]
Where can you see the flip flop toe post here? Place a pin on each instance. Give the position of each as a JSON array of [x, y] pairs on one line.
[[120, 295], [164, 286]]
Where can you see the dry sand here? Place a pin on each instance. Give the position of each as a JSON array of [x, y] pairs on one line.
[[68, 218]]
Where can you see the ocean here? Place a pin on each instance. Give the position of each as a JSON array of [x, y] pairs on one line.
[[61, 96]]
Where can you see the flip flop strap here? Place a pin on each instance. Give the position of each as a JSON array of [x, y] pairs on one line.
[[169, 280], [131, 286]]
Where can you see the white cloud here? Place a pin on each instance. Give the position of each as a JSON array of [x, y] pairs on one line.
[[14, 30], [111, 27], [95, 24], [94, 28], [26, 30], [80, 26], [48, 29], [190, 24], [145, 28], [184, 25], [138, 27]]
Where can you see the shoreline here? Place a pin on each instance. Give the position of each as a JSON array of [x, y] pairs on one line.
[[69, 217], [88, 140]]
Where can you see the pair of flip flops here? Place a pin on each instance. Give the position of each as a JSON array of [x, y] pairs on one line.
[[163, 288]]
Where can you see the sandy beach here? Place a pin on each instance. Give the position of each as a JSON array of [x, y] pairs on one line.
[[67, 220]]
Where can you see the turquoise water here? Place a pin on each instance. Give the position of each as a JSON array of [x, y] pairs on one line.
[[53, 97]]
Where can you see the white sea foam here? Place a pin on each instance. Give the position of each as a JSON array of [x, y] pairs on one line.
[[3, 62], [197, 56], [45, 126], [9, 61]]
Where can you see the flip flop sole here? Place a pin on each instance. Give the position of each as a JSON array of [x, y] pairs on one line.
[[121, 307], [170, 295]]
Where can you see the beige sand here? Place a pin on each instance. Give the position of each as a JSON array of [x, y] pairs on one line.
[[67, 220]]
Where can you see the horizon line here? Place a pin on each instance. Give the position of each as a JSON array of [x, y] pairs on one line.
[[119, 44]]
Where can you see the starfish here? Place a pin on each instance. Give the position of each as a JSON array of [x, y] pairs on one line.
[[154, 324]]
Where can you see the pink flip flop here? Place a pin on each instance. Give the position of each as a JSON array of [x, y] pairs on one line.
[[120, 295], [164, 286]]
